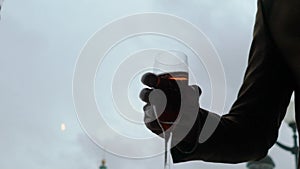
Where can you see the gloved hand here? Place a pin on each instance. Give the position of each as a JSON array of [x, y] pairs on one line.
[[172, 106]]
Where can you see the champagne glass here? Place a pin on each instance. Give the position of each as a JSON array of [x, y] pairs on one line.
[[171, 66]]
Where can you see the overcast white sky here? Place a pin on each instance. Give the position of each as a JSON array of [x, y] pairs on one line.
[[39, 43]]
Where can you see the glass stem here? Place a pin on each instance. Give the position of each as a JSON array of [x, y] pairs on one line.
[[167, 151]]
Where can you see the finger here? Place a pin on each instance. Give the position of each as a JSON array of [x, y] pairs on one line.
[[197, 89], [150, 120], [150, 79], [149, 114], [158, 99], [144, 94], [155, 127]]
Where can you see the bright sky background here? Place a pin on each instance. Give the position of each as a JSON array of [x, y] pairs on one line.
[[39, 44]]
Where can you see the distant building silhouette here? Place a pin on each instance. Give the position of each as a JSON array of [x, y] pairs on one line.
[[103, 164], [1, 2]]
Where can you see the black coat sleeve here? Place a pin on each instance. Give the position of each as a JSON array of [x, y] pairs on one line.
[[251, 127]]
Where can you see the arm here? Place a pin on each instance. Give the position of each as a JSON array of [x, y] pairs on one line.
[[251, 127]]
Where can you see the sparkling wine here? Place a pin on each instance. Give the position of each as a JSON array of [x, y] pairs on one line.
[[170, 83]]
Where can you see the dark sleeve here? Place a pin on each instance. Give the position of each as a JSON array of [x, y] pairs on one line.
[[251, 127]]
